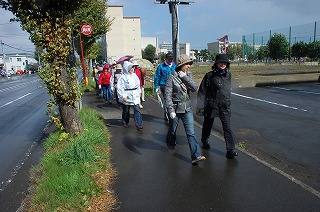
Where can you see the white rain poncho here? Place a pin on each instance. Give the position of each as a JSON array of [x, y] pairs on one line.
[[128, 86]]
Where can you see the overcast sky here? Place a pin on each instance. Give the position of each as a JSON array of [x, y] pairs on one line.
[[201, 22]]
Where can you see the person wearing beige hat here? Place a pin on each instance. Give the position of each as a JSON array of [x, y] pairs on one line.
[[178, 105], [117, 75]]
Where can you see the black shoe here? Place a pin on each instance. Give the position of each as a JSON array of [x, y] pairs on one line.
[[139, 127], [231, 154], [205, 146]]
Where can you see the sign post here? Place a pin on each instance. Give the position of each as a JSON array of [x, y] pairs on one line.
[[87, 30]]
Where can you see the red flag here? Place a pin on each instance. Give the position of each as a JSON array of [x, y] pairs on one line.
[[225, 40]]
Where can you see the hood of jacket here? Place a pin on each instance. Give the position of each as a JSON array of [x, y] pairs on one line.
[[126, 67]]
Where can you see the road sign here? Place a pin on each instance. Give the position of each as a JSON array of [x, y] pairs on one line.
[[86, 29]]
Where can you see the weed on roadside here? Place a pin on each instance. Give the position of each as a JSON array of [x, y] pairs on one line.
[[75, 172]]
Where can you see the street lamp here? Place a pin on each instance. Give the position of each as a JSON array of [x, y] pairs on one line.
[[174, 16]]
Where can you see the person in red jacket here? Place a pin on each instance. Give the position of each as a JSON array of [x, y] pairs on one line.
[[138, 72], [104, 83]]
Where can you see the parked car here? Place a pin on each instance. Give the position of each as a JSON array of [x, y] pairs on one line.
[[19, 72], [5, 73], [10, 71], [2, 73]]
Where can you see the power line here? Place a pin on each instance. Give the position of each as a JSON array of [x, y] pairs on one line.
[[16, 48]]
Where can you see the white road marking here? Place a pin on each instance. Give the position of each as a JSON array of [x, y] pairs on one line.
[[14, 100], [300, 91], [274, 103], [18, 86]]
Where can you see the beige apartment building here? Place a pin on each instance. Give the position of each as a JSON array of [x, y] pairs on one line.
[[124, 38]]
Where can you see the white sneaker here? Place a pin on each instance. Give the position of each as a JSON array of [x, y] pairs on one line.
[[200, 158]]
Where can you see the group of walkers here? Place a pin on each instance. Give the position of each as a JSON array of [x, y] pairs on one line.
[[175, 82]]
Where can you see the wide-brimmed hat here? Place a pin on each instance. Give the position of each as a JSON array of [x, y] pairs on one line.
[[183, 59], [222, 58], [119, 67]]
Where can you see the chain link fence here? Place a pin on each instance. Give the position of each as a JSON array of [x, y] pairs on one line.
[[307, 33]]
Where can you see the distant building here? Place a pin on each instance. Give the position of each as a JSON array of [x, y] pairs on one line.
[[216, 47], [124, 38], [184, 48], [145, 41], [16, 61], [165, 47]]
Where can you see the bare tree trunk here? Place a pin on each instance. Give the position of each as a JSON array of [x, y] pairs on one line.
[[70, 118], [69, 113]]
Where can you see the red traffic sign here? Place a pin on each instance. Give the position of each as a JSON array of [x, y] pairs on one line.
[[86, 29]]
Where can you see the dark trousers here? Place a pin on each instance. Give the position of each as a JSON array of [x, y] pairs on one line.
[[227, 132]]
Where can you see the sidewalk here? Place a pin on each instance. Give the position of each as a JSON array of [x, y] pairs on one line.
[[151, 179]]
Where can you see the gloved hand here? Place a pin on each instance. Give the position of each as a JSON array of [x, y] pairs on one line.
[[172, 115], [157, 90], [99, 86], [181, 74]]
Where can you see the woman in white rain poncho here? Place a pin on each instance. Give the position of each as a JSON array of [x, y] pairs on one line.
[[128, 88]]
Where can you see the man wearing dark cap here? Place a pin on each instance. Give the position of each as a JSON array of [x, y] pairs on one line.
[[160, 77]]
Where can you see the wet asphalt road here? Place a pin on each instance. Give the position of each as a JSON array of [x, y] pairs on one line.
[[281, 125], [23, 118], [151, 179]]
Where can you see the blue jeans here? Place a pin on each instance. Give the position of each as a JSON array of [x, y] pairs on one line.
[[187, 119], [107, 92], [126, 114]]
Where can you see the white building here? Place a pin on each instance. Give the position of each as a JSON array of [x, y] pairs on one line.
[[124, 38], [145, 41], [216, 47], [16, 61], [184, 48], [165, 47]]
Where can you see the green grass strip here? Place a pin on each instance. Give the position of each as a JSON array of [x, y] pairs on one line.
[[66, 170]]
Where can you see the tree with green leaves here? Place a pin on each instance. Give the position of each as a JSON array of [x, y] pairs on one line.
[[299, 50], [278, 47], [196, 54], [313, 50], [50, 25], [149, 53], [93, 13], [234, 51], [262, 53], [205, 54]]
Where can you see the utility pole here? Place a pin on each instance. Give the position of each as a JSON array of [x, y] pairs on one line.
[[175, 28], [3, 56]]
